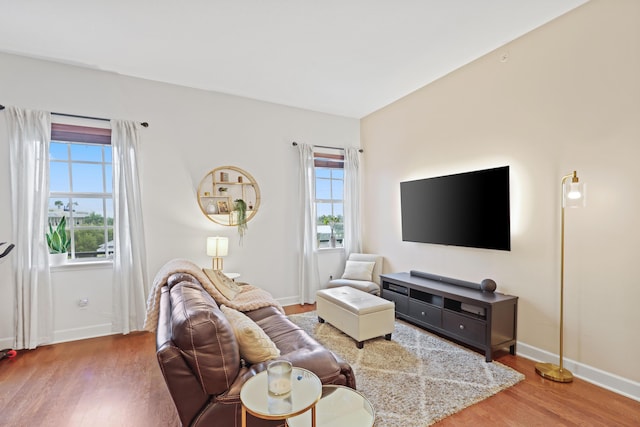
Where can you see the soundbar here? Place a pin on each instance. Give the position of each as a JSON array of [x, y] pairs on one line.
[[487, 285]]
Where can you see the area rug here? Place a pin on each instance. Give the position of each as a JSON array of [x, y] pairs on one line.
[[417, 378]]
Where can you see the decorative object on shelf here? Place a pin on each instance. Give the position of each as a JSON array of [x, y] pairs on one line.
[[240, 207], [331, 221], [488, 285], [573, 196], [220, 206], [58, 242], [217, 247], [223, 207], [212, 208]]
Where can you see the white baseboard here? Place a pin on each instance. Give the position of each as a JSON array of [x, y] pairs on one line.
[[6, 342], [606, 380], [288, 301], [75, 334], [67, 335]]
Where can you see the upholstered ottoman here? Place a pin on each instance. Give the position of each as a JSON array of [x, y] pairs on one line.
[[358, 314]]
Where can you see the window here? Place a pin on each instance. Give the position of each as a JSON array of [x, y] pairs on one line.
[[329, 169], [80, 188]]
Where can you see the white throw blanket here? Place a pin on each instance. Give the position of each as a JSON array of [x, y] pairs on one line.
[[250, 298]]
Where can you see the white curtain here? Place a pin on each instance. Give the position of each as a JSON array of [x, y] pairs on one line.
[[308, 277], [130, 285], [29, 135], [352, 219]]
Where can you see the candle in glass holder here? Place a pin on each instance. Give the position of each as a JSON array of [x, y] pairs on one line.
[[279, 377]]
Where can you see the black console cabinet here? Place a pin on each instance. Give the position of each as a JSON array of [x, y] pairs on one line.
[[483, 320]]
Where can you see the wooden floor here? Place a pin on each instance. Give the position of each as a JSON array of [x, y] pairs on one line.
[[116, 381]]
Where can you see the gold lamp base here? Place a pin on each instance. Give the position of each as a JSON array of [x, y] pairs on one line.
[[554, 372]]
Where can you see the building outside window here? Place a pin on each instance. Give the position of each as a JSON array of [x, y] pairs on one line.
[[80, 188], [329, 186]]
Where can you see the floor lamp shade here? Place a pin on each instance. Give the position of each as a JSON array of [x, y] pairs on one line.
[[574, 192], [574, 196], [217, 247]]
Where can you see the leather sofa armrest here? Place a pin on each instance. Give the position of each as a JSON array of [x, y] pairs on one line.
[[185, 389]]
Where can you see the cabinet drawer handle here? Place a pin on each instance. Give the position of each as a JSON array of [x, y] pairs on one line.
[[461, 326]]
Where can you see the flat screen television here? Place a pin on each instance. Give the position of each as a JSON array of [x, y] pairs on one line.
[[469, 209]]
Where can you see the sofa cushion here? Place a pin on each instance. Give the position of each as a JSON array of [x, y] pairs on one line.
[[255, 345], [223, 284], [204, 335], [358, 270]]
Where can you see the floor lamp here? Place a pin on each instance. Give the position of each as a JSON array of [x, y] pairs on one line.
[[573, 195]]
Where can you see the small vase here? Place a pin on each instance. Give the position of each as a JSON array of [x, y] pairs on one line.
[[333, 241], [58, 259]]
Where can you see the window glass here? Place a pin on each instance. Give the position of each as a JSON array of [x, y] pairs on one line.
[[87, 152], [329, 188], [58, 151], [59, 176], [80, 190], [87, 178]]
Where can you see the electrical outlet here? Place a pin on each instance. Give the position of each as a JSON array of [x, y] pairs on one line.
[[83, 302]]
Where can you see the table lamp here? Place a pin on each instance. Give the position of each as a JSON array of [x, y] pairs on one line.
[[217, 247]]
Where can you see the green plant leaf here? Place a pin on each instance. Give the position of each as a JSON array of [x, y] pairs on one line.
[[57, 238]]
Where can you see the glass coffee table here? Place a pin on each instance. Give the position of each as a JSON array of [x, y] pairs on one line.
[[339, 406], [306, 390]]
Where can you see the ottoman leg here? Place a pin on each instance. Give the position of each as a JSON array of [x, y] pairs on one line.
[[320, 319], [360, 344], [387, 337]]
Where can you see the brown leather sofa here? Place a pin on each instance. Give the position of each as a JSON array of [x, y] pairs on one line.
[[201, 363]]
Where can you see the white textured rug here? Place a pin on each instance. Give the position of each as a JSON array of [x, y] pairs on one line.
[[417, 378]]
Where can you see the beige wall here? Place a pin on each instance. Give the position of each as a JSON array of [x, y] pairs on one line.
[[568, 97]]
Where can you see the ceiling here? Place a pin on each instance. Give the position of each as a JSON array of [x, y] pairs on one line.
[[344, 57]]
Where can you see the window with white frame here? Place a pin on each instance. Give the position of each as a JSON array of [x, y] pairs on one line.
[[80, 188], [329, 186]]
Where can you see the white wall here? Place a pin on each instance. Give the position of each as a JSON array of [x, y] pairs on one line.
[[567, 99], [190, 133]]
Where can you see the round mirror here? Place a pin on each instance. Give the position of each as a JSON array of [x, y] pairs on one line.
[[229, 196]]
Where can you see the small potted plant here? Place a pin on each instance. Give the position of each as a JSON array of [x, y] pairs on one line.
[[331, 221], [240, 208], [58, 242]]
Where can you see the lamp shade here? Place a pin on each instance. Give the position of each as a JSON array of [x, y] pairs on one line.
[[574, 194], [217, 246]]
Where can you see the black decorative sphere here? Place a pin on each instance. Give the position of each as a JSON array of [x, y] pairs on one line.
[[488, 285]]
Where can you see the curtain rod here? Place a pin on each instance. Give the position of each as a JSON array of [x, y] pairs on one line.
[[360, 150], [144, 124]]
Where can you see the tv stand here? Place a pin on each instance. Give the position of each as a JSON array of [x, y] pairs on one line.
[[483, 320]]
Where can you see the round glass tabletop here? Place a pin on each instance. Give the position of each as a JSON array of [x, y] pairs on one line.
[[306, 390], [339, 406]]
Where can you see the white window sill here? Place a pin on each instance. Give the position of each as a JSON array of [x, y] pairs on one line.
[[83, 265], [341, 249]]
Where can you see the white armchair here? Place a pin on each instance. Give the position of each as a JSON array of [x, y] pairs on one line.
[[362, 272]]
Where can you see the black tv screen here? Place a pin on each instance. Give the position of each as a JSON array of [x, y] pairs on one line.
[[469, 209]]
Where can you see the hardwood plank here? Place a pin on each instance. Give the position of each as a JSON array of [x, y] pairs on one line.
[[115, 380]]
